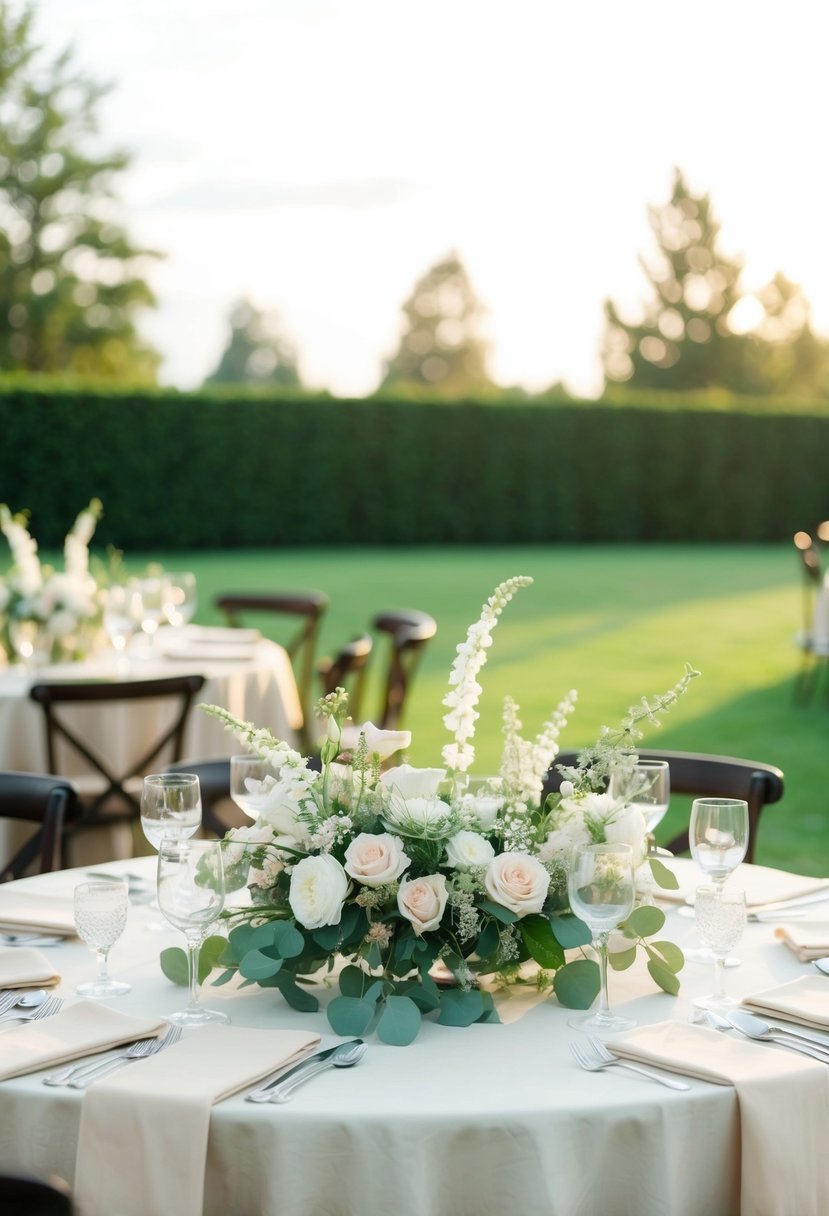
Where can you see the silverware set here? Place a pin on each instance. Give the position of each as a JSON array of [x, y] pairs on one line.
[[280, 1085], [754, 1027], [592, 1055], [21, 1011], [84, 1072]]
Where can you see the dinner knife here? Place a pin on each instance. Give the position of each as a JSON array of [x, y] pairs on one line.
[[262, 1091]]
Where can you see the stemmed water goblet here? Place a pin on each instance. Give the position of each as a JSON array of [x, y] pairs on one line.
[[181, 599], [191, 895], [600, 885], [720, 916], [151, 595], [100, 918], [121, 619], [718, 837]]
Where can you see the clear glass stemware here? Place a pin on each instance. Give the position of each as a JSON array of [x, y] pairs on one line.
[[100, 918], [191, 895], [720, 915], [601, 889], [718, 838]]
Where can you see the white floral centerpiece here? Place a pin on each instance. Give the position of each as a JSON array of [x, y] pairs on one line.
[[408, 872], [60, 607]]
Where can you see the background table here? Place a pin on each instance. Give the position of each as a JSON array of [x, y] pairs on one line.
[[260, 688], [479, 1121]]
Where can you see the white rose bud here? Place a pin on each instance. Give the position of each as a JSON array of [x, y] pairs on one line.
[[422, 901]]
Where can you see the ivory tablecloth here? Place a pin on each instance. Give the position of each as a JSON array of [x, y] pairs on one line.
[[480, 1121]]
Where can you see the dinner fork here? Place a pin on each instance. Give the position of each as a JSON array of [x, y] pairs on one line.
[[593, 1056], [138, 1051], [52, 1004]]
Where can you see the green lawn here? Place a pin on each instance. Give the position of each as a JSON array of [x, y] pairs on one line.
[[615, 623]]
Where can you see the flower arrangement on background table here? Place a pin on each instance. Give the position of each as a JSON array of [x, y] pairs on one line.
[[406, 872], [55, 612]]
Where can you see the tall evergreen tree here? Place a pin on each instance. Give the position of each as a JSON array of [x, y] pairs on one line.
[[441, 347], [70, 278], [683, 339], [257, 352]]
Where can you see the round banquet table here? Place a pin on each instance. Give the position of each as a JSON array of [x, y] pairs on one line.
[[479, 1121]]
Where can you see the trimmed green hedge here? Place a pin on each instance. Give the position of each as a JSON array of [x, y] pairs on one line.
[[211, 470]]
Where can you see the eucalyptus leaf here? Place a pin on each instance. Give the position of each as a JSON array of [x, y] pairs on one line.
[[297, 998], [399, 1021], [287, 939], [570, 932], [214, 951], [620, 960], [643, 921], [459, 1008], [353, 981], [426, 999], [663, 976], [537, 935], [350, 1016], [488, 940], [667, 953], [174, 966], [495, 910], [257, 965], [577, 984], [663, 877]]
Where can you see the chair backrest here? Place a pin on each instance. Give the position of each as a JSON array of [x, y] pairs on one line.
[[409, 630], [707, 776], [53, 698], [50, 803], [301, 646], [347, 669], [21, 1195]]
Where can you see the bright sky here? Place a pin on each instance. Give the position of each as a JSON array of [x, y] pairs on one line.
[[317, 156]]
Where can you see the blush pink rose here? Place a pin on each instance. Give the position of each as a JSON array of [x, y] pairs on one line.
[[422, 901], [518, 882], [375, 859]]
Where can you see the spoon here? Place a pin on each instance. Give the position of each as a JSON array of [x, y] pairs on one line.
[[342, 1058], [756, 1028], [27, 1000], [822, 965], [29, 939]]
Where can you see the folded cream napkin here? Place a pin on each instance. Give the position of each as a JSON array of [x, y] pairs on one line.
[[78, 1030], [28, 910], [761, 884], [130, 1120], [225, 652], [784, 1110], [808, 939], [25, 967], [804, 1000]]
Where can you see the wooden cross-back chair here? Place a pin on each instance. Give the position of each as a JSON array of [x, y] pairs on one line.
[[301, 646], [347, 669], [111, 795], [706, 776], [46, 803], [409, 631]]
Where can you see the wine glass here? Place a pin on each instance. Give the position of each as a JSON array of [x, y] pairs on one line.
[[601, 889], [720, 915], [151, 595], [647, 787], [31, 642], [718, 836], [121, 619], [191, 895], [250, 780], [181, 599], [100, 918], [170, 806]]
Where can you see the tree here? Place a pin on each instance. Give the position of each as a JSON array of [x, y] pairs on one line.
[[70, 278], [441, 347], [256, 352], [784, 356], [684, 340]]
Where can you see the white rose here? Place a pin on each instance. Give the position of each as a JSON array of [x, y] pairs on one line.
[[422, 817], [318, 889], [375, 860], [385, 743], [466, 849], [484, 807], [413, 782], [422, 901], [628, 826], [518, 882], [559, 845]]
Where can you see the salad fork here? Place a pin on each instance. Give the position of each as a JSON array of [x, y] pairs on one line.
[[594, 1056], [139, 1051], [46, 1009]]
